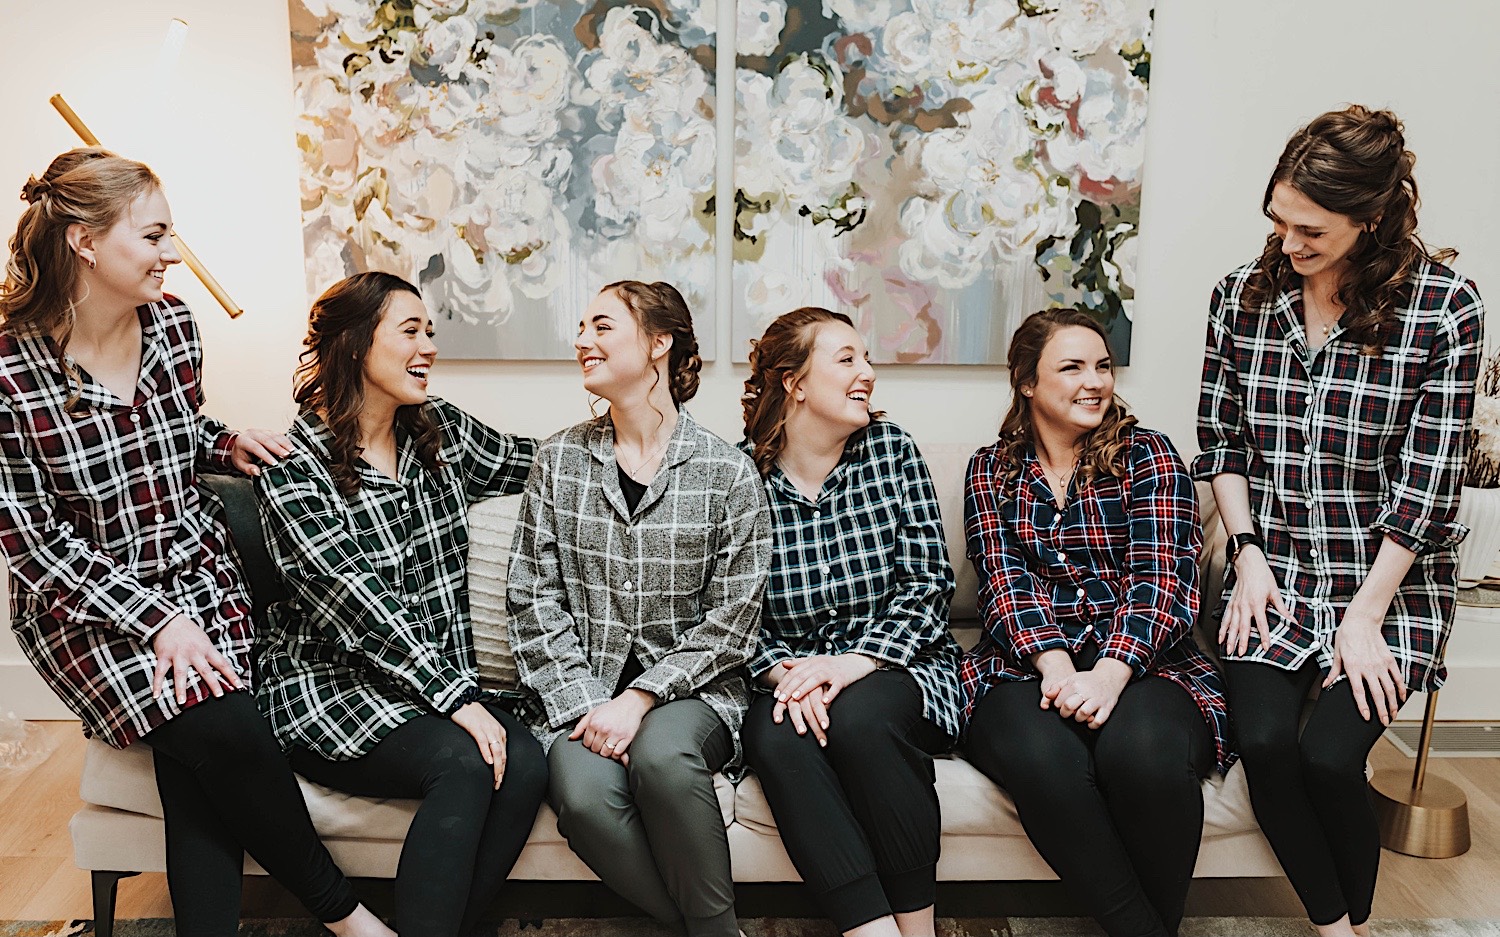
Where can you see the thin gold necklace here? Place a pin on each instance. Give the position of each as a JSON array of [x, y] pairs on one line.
[[1062, 480], [645, 460]]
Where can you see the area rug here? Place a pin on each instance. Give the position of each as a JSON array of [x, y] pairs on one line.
[[795, 927]]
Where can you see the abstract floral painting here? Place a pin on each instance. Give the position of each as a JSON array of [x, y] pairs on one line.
[[509, 156], [938, 168]]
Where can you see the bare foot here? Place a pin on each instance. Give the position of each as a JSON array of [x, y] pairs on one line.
[[362, 923]]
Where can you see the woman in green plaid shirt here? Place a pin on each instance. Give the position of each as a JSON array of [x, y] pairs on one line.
[[369, 673], [635, 584]]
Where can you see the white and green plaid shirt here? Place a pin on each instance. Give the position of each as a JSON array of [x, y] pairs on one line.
[[376, 630]]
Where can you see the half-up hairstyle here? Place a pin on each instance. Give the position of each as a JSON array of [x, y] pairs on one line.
[[1355, 163], [784, 350], [1105, 447], [330, 374], [660, 310], [87, 186]]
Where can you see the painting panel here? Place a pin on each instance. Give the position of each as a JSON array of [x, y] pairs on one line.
[[508, 156], [938, 169]]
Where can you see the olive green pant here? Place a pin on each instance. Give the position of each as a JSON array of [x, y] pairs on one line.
[[653, 831]]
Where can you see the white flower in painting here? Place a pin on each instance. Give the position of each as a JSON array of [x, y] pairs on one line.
[[447, 43], [356, 18], [983, 189], [696, 20], [759, 26], [906, 46], [632, 64], [815, 145], [1082, 27], [661, 165], [1103, 146], [863, 16], [528, 89], [972, 42]]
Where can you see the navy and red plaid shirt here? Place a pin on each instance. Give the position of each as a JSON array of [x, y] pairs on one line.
[[1343, 449], [105, 530], [1116, 568]]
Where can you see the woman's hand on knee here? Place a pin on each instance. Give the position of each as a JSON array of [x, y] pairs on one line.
[[1360, 652], [823, 675], [809, 713], [1255, 591], [1093, 693], [182, 647], [488, 734], [609, 729]]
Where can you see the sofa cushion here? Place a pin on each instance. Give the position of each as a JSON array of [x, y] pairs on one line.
[[492, 527], [126, 780]]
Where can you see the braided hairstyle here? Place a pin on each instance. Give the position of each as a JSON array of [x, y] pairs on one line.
[[1354, 163]]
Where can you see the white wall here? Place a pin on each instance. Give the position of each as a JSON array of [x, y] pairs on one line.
[[1230, 82]]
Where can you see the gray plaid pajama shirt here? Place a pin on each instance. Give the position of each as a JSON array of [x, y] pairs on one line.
[[677, 581], [376, 630]]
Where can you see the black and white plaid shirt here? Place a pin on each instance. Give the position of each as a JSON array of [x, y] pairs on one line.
[[863, 569], [105, 531], [376, 631], [1343, 449], [677, 581]]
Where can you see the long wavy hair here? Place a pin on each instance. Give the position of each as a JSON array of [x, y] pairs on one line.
[[1105, 447], [87, 186], [330, 376], [1354, 163], [659, 309], [784, 350]]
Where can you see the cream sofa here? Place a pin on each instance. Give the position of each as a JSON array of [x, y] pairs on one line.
[[119, 830]]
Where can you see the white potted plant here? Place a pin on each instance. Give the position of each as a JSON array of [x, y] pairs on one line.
[[1479, 508]]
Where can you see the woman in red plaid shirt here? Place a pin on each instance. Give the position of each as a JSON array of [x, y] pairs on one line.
[[1086, 698], [124, 594], [1337, 390]]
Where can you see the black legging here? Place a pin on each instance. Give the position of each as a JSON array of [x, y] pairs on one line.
[[466, 835], [226, 790], [1310, 794], [859, 818], [1117, 812]]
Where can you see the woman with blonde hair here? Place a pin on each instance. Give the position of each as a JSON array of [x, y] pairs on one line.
[[1086, 698], [1338, 386], [859, 672], [125, 592], [635, 586]]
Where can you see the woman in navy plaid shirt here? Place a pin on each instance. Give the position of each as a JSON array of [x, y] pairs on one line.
[[1086, 698], [125, 592], [1337, 390], [854, 646]]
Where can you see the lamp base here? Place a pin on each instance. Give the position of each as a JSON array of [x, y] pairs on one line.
[[1432, 823]]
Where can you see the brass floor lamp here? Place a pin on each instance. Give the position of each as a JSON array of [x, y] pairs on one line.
[[1420, 815]]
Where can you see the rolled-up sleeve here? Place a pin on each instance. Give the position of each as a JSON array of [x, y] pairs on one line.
[[1221, 410]]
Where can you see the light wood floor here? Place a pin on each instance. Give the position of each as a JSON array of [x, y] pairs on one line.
[[39, 882]]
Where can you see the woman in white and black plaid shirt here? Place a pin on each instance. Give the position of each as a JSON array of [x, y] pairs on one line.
[[125, 593], [861, 672], [635, 586], [1338, 386], [369, 677]]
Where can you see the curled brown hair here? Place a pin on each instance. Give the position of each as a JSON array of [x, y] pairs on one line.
[[1354, 163], [660, 310], [1104, 446], [87, 186], [330, 375], [784, 350]]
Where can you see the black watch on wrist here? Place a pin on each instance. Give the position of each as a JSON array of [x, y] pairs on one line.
[[1238, 542]]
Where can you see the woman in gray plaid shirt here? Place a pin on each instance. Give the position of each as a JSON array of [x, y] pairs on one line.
[[854, 646], [369, 674], [635, 586]]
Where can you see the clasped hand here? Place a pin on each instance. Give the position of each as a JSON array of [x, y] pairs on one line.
[[806, 687], [609, 729], [1087, 696]]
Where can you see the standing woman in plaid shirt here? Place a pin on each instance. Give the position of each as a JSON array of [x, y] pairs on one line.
[[635, 586], [125, 592], [1337, 389], [370, 680], [860, 671], [1086, 698]]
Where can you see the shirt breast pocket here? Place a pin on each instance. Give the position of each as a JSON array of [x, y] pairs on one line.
[[1366, 415]]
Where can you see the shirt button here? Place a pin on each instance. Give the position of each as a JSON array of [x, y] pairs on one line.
[[827, 570], [1062, 557], [161, 567], [158, 517], [817, 512], [833, 613], [1313, 553], [406, 505], [1082, 593], [150, 471], [135, 417], [629, 585], [1307, 448]]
